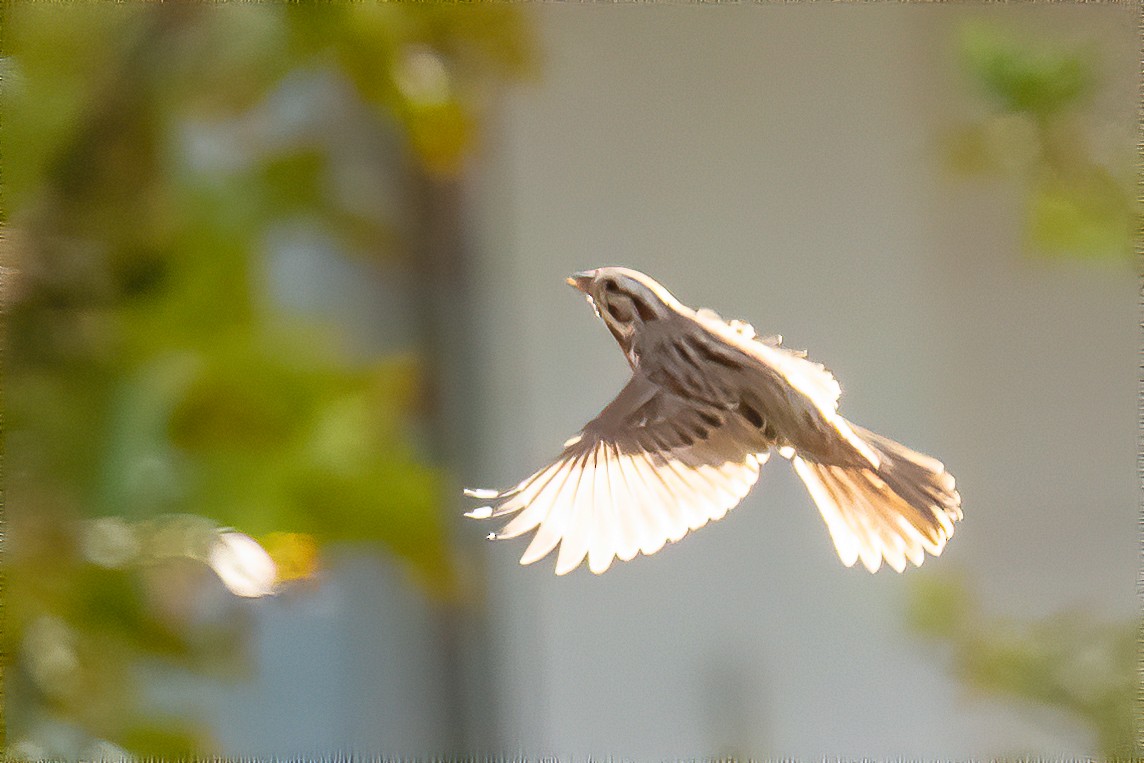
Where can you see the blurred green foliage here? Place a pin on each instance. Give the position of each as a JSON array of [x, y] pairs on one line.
[[1037, 135], [150, 375], [1040, 80], [1068, 662]]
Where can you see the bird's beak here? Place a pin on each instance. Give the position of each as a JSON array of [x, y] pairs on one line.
[[581, 280]]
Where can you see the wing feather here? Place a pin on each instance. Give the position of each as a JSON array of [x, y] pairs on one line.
[[658, 524], [688, 488], [603, 544], [577, 532], [557, 514], [537, 505], [666, 513], [632, 515]]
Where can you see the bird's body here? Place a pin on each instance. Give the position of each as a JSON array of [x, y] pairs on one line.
[[683, 441]]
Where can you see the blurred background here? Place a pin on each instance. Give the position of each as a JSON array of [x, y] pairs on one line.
[[278, 280]]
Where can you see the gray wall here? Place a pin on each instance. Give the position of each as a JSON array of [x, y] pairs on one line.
[[779, 164]]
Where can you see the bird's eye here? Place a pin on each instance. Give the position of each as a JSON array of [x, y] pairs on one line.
[[610, 287], [620, 311]]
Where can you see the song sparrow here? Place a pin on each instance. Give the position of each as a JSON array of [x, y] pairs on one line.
[[683, 441]]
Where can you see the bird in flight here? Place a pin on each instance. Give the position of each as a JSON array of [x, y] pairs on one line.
[[682, 444]]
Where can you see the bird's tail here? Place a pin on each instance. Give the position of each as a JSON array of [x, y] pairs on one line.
[[897, 511]]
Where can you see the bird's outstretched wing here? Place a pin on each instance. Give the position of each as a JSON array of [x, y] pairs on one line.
[[652, 466]]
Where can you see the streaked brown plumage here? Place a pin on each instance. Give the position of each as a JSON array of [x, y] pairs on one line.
[[683, 441]]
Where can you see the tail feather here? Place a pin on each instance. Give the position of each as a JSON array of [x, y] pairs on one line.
[[897, 511]]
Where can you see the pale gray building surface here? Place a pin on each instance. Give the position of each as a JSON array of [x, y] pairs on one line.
[[779, 164]]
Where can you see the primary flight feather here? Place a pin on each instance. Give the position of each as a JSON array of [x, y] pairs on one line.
[[683, 442]]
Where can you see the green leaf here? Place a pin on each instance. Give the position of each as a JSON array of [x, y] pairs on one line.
[[1043, 80], [1086, 215]]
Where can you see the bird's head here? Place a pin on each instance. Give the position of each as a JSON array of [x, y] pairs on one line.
[[624, 299]]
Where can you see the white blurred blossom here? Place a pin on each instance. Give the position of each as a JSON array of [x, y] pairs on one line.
[[242, 564]]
